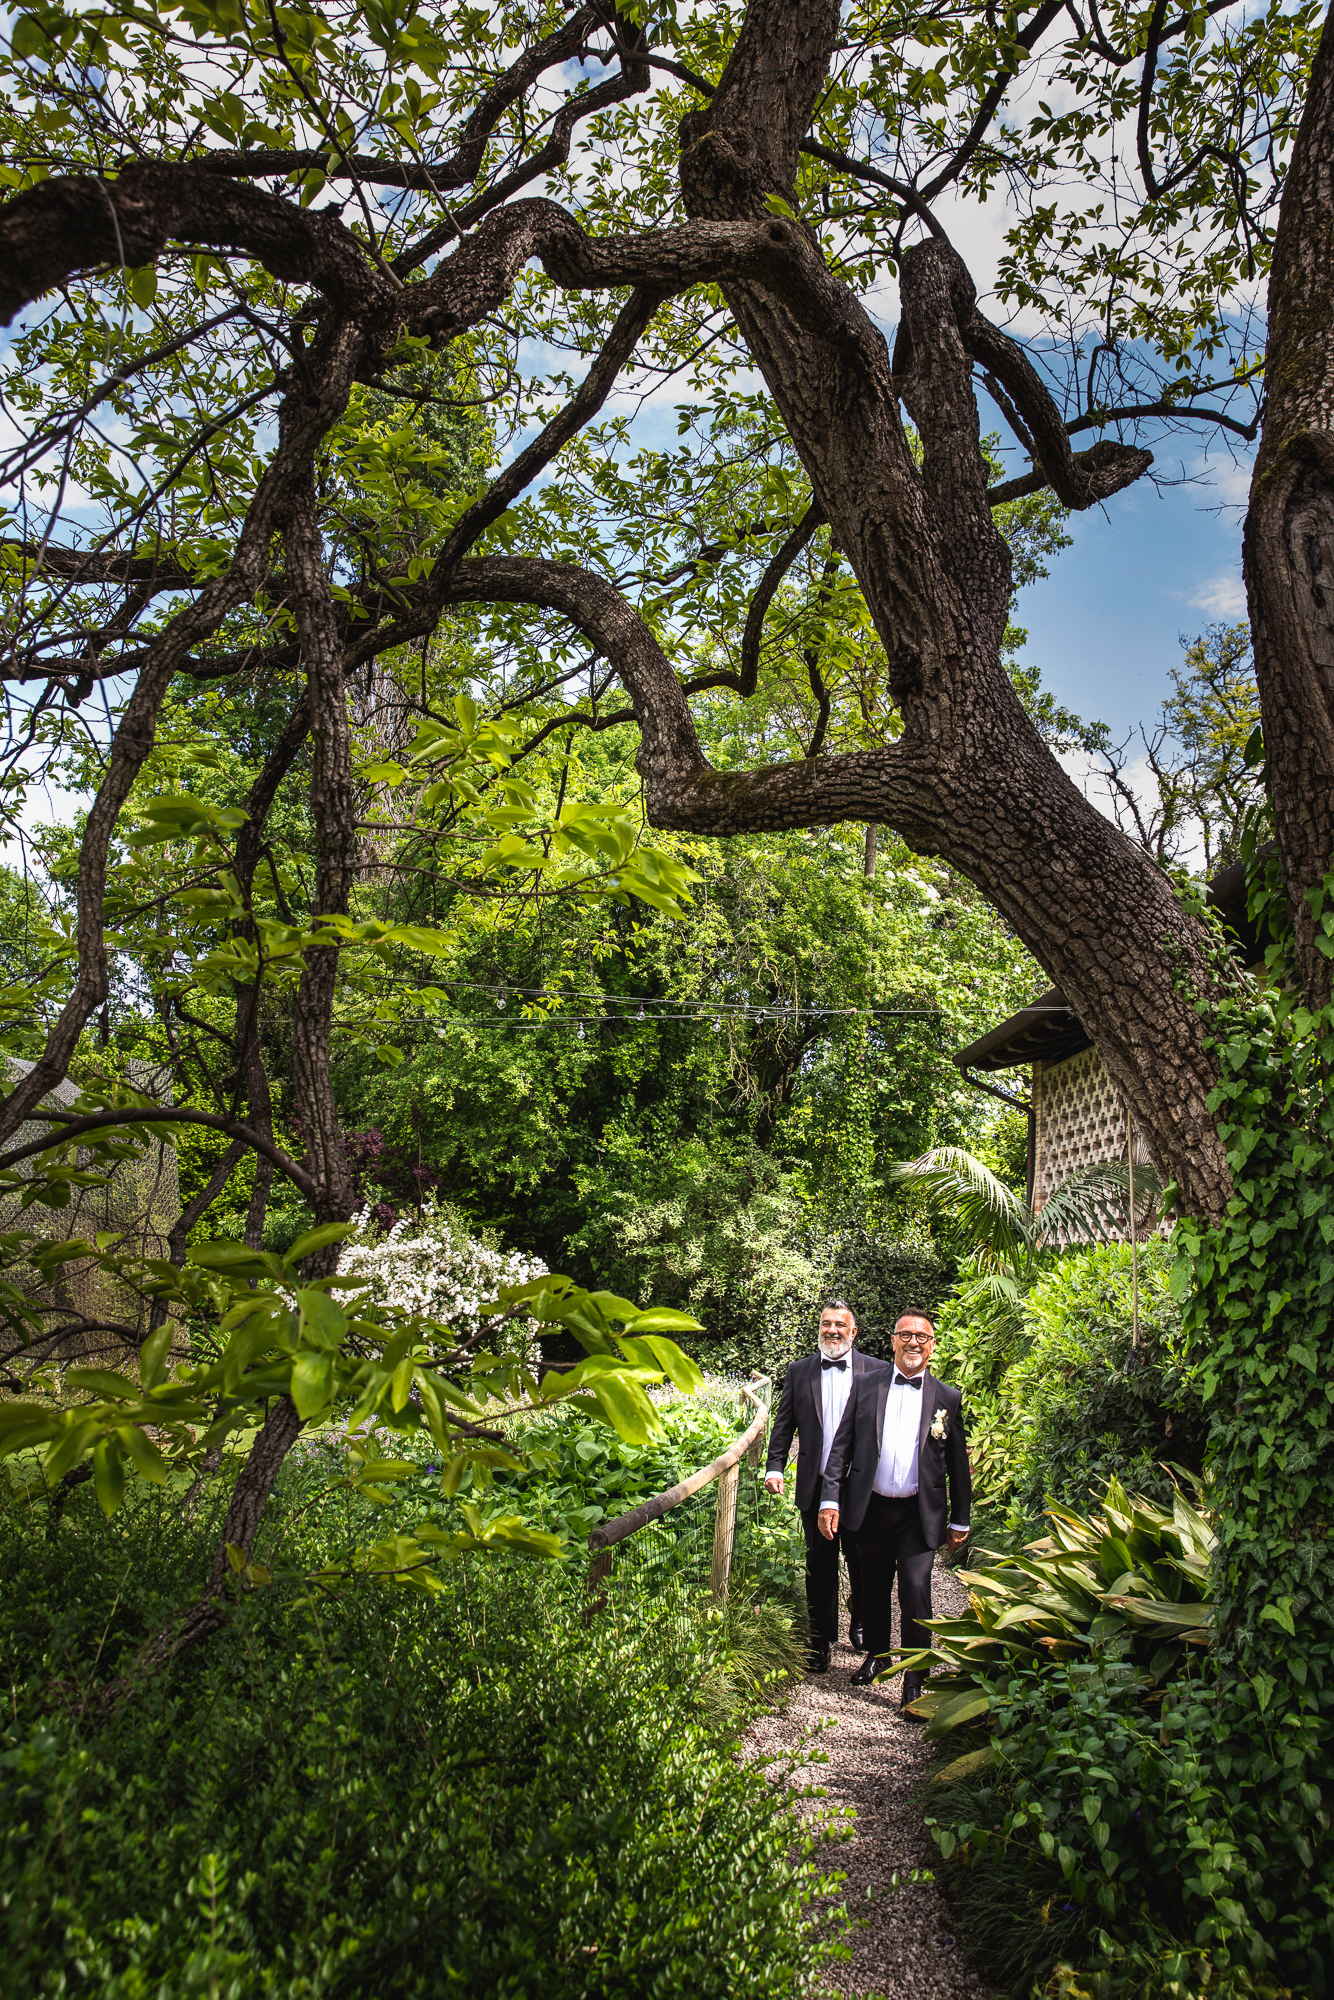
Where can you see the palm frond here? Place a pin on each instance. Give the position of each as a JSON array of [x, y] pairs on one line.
[[987, 1212], [1095, 1202], [989, 1287]]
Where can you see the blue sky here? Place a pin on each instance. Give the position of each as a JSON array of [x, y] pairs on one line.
[[1105, 626]]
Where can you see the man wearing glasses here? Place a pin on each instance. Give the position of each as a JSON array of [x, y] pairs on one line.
[[815, 1395], [901, 1443]]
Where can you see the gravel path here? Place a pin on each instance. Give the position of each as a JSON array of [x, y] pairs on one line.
[[902, 1940]]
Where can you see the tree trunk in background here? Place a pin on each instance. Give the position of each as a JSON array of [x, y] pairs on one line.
[[1289, 544]]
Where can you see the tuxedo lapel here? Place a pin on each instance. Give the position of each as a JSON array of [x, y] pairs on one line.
[[928, 1411], [882, 1383], [816, 1401]]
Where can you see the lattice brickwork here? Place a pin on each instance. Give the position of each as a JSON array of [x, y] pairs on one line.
[[1081, 1121]]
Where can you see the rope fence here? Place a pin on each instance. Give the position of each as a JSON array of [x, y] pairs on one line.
[[712, 1531]]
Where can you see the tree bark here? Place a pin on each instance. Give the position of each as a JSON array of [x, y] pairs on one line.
[[333, 807], [1289, 539]]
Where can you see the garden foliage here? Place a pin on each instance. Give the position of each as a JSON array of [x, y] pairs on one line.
[[1113, 1812], [1061, 1400], [352, 1794], [1175, 1840], [1130, 1583]]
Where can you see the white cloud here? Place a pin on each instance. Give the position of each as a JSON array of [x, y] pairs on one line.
[[1222, 596]]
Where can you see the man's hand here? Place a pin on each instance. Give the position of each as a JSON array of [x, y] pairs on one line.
[[958, 1536], [829, 1522], [773, 1482]]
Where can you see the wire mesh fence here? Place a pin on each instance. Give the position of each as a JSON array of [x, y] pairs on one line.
[[715, 1533]]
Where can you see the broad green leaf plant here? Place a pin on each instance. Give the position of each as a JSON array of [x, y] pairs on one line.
[[1130, 1583], [1006, 1242], [367, 1369]]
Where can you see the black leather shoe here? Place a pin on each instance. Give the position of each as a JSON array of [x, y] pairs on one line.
[[817, 1657], [912, 1687], [856, 1637], [873, 1664]]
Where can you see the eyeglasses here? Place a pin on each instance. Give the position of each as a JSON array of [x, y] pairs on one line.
[[916, 1339]]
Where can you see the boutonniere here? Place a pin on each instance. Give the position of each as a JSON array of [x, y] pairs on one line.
[[940, 1425]]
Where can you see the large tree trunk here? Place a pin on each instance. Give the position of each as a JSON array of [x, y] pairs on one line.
[[1289, 546], [970, 779]]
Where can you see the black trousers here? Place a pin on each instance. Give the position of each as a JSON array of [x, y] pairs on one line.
[[822, 1576], [890, 1544]]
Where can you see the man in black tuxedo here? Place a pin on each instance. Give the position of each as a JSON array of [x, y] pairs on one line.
[[815, 1394], [901, 1441]]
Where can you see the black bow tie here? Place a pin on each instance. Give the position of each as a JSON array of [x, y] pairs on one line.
[[907, 1381], [832, 1364]]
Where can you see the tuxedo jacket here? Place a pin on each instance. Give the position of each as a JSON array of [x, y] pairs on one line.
[[799, 1410], [942, 1461]]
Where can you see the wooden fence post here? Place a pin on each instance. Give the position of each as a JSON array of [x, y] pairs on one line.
[[764, 1389], [724, 1531]]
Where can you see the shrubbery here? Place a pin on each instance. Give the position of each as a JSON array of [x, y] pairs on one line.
[[352, 1795], [1058, 1401], [1111, 1836], [1118, 1819], [732, 1238]]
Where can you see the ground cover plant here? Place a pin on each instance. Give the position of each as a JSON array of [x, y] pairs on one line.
[[351, 1791], [1090, 1829]]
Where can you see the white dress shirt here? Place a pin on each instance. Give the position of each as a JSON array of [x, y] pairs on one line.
[[835, 1388], [896, 1474]]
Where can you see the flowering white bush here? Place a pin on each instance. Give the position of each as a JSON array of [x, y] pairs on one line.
[[431, 1265]]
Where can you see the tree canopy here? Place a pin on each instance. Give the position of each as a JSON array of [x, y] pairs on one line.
[[347, 344], [304, 295]]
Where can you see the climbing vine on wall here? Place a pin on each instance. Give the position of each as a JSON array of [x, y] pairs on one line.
[[1259, 1317]]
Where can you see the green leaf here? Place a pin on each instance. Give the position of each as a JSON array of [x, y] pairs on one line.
[[312, 1382], [683, 1373], [661, 1319], [108, 1475], [153, 1355], [103, 1382], [417, 937], [953, 1713], [68, 1449], [29, 38], [323, 1321], [624, 1405], [316, 1239], [144, 1454], [142, 284], [968, 1765]]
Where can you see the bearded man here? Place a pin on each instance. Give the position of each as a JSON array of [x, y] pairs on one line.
[[900, 1444], [815, 1395]]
